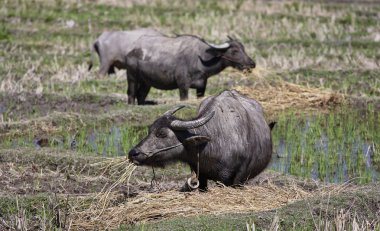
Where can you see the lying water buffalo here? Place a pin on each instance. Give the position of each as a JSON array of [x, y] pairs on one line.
[[183, 62], [230, 136], [113, 47]]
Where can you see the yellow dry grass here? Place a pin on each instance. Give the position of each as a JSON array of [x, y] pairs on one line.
[[42, 125], [279, 95], [147, 207], [114, 166]]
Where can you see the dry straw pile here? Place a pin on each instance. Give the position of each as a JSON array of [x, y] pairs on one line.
[[277, 95], [218, 200]]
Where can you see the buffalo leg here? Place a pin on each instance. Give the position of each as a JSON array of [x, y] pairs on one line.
[[103, 70], [201, 90], [132, 89], [240, 178], [111, 70], [183, 93], [142, 93], [203, 184], [105, 67]]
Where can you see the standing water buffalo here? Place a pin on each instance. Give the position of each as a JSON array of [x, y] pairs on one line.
[[183, 62], [113, 47], [230, 135], [155, 60]]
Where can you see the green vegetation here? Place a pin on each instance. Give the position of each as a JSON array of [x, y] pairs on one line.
[[336, 147], [29, 211]]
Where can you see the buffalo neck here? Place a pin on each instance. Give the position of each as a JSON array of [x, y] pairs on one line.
[[190, 154], [212, 66]]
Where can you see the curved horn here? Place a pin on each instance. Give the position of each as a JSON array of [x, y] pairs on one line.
[[173, 110], [221, 46], [230, 38], [183, 125]]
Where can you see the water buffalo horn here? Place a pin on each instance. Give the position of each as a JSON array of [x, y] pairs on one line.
[[173, 110], [183, 125], [221, 46]]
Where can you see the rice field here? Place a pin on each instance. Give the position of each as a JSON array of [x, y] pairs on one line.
[[332, 147], [317, 76]]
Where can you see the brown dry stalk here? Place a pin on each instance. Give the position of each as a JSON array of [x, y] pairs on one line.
[[219, 200], [112, 166], [277, 95], [283, 95]]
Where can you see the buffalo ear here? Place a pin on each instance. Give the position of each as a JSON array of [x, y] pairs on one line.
[[197, 140], [216, 52]]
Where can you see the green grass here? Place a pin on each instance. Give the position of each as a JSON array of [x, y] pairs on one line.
[[288, 28], [336, 147], [4, 34], [29, 211]]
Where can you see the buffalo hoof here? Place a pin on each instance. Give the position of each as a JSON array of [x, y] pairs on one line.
[[186, 188], [237, 186], [149, 102]]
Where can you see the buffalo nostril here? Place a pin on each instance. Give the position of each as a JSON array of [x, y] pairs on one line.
[[133, 153]]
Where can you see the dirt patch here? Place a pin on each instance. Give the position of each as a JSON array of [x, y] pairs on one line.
[[40, 116], [24, 105], [31, 172], [46, 170], [32, 179]]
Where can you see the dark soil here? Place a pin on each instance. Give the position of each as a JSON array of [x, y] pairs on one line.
[[25, 105], [42, 170]]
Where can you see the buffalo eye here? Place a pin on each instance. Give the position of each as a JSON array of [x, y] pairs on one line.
[[161, 133], [234, 52]]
